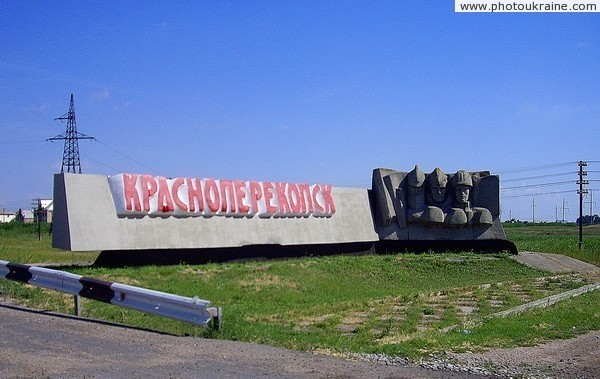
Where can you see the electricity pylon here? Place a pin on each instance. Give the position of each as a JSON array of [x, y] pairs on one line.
[[71, 138]]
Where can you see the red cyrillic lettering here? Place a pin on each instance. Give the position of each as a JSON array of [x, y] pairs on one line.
[[177, 183], [227, 197], [132, 197], [315, 197], [211, 195], [148, 190], [268, 192], [329, 205], [284, 205], [165, 202], [148, 194], [240, 195], [306, 199], [255, 195], [293, 195], [195, 194]]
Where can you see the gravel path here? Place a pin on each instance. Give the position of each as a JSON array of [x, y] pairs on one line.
[[574, 358]]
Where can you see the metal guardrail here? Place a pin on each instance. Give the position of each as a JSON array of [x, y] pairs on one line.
[[191, 310]]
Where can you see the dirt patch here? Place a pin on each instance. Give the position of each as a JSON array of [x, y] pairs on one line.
[[556, 263], [261, 282], [208, 274], [574, 358]]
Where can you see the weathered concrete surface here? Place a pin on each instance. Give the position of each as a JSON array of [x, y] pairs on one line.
[[436, 206], [555, 263], [547, 301], [85, 219]]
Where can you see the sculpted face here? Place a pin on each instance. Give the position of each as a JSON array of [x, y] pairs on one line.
[[438, 194], [462, 194], [462, 183], [437, 185]]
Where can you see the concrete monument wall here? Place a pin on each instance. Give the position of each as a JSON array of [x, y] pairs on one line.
[[131, 212], [141, 212]]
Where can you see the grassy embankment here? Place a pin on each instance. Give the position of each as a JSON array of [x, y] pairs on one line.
[[19, 243], [394, 304], [557, 238]]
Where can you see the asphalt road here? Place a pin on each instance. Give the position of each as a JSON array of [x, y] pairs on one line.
[[35, 344]]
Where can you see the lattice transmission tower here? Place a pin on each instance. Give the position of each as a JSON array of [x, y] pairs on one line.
[[71, 138]]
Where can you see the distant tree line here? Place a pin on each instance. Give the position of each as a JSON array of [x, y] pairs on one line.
[[515, 221], [588, 220]]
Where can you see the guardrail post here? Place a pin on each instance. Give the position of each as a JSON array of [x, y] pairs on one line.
[[77, 300], [217, 318]]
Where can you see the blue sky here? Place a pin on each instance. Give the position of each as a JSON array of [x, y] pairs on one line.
[[303, 91]]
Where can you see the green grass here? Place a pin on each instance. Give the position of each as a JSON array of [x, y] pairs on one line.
[[566, 319], [557, 238], [398, 304], [19, 243]]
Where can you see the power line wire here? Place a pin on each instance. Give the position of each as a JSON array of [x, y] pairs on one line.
[[102, 164], [127, 156], [540, 176], [537, 194], [537, 185]]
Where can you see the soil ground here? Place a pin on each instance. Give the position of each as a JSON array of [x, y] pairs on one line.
[[574, 358]]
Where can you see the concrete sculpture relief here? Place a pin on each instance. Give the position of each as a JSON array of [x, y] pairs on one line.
[[415, 205]]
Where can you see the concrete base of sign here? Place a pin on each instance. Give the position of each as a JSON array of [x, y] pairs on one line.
[[426, 246], [423, 233], [132, 258], [85, 219]]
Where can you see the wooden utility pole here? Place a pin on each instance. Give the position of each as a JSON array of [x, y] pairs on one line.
[[37, 215], [581, 192]]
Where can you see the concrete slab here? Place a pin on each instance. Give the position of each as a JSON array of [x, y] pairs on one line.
[[555, 263], [86, 219], [547, 301]]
